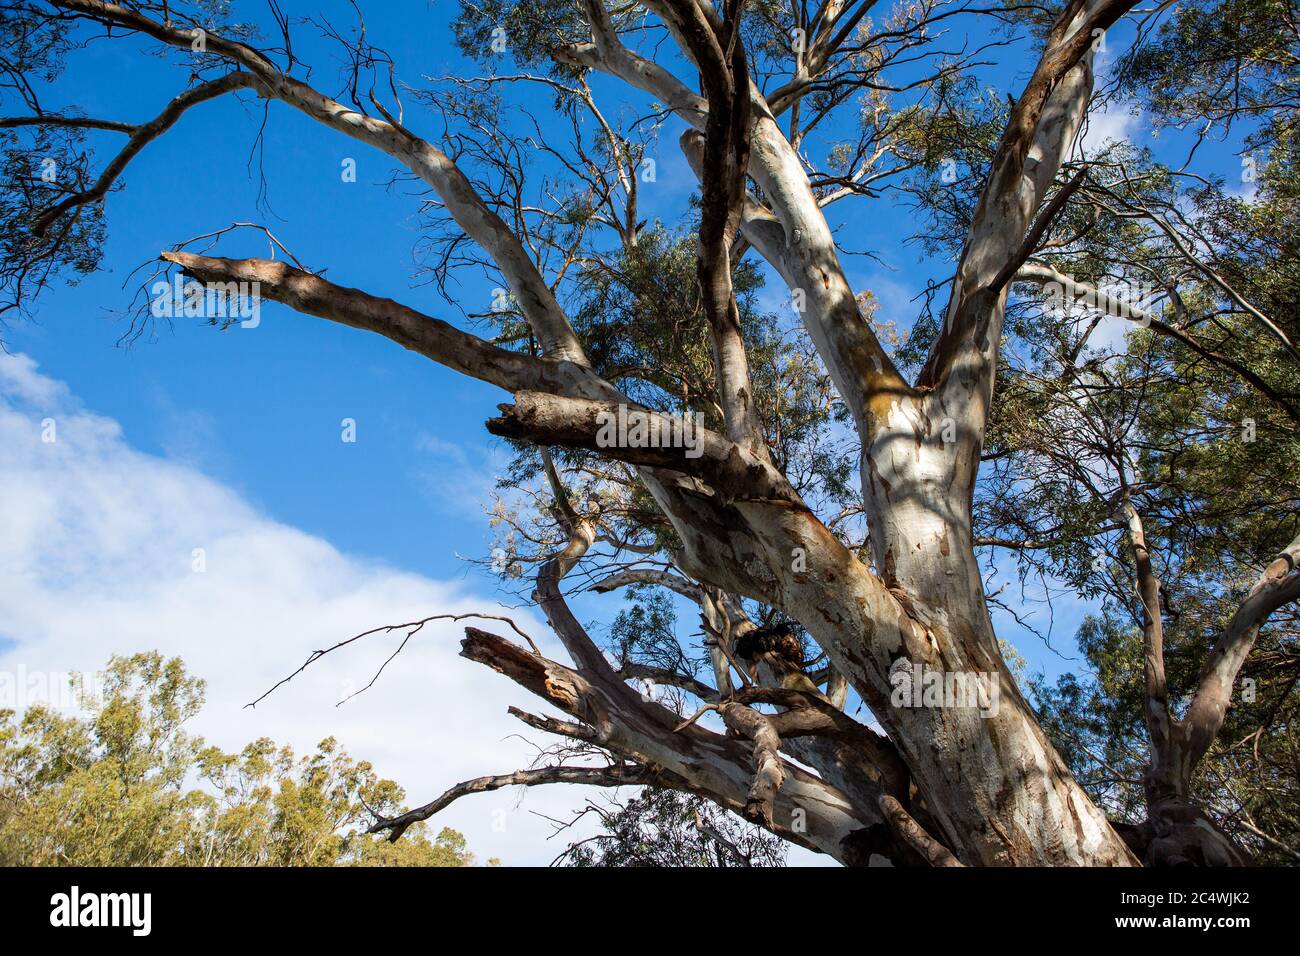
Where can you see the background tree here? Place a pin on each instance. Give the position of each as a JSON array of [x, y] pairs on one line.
[[126, 785]]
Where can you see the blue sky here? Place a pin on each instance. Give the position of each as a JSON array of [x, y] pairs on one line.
[[254, 415], [261, 407]]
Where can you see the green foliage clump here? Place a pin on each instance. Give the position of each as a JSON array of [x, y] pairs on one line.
[[126, 785]]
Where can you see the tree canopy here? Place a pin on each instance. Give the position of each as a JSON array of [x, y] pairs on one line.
[[124, 784]]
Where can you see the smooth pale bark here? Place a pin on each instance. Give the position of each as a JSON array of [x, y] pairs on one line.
[[1278, 584], [752, 781], [996, 785], [444, 343]]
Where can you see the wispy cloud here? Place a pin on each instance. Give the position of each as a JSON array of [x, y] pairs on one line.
[[1118, 122], [456, 479]]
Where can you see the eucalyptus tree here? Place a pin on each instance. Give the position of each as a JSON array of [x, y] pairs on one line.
[[824, 492], [123, 783]]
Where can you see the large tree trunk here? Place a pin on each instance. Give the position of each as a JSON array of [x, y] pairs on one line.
[[996, 786], [993, 782]]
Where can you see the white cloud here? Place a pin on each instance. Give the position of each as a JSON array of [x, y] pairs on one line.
[[1116, 122], [96, 559]]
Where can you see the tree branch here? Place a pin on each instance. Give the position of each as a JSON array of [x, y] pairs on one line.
[[73, 122], [1041, 128], [914, 835], [809, 261], [141, 136], [807, 811], [1156, 708], [1043, 273], [725, 78], [432, 165], [769, 772], [433, 338], [615, 775], [1277, 585], [582, 423]]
